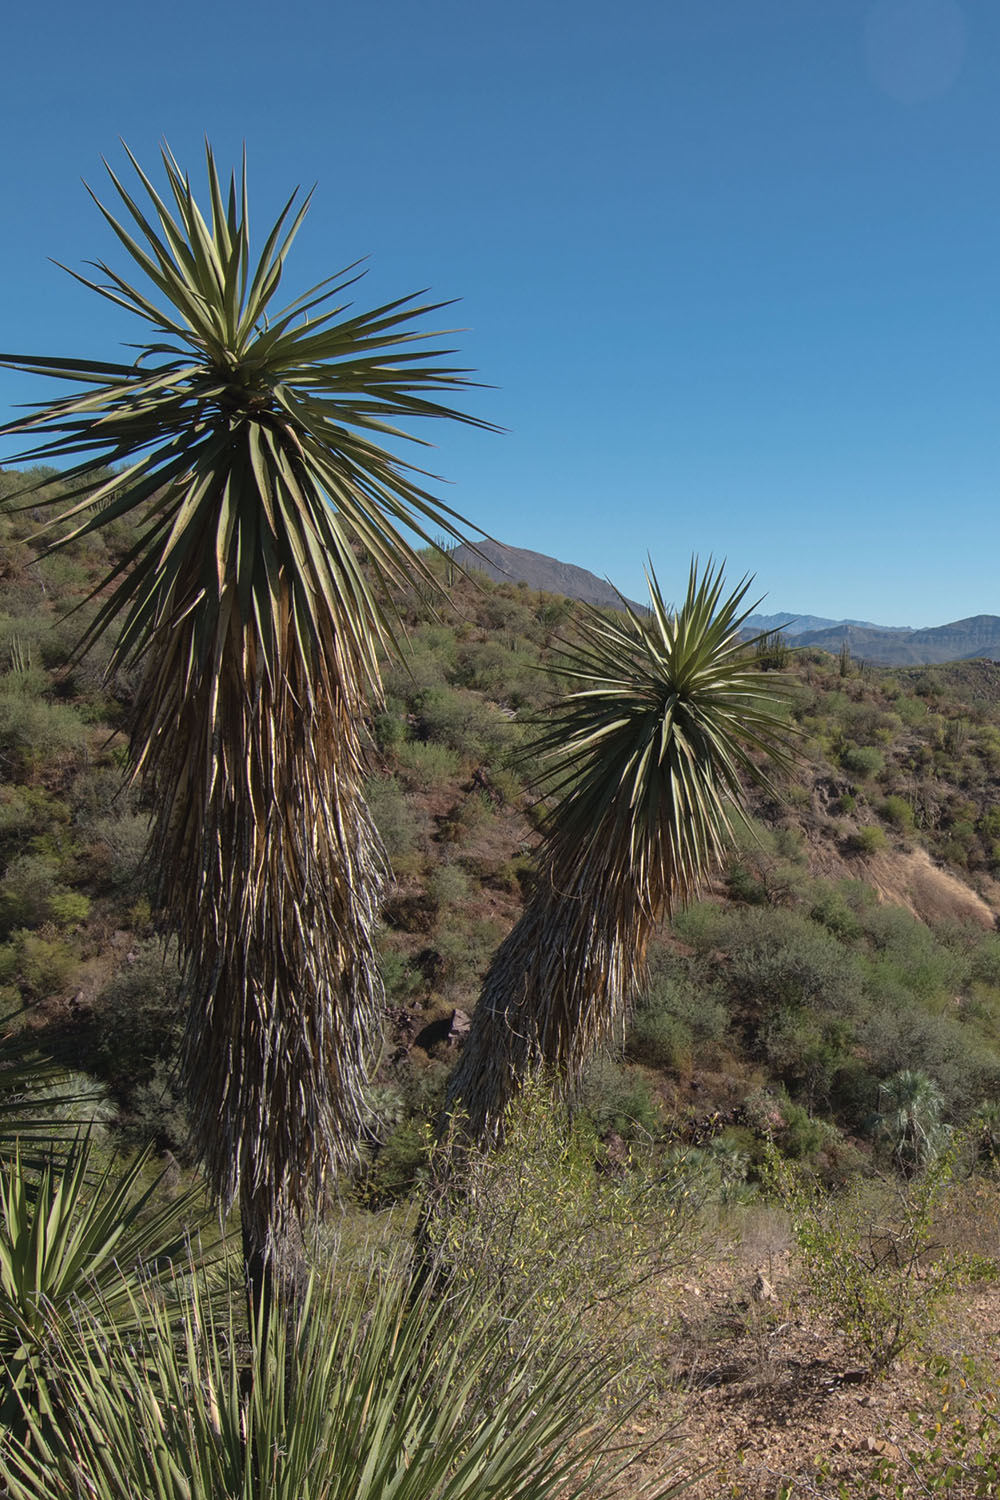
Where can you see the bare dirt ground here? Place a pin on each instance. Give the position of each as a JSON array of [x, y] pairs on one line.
[[759, 1391]]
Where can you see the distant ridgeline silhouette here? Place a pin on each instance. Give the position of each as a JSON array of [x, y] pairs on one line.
[[518, 565], [890, 646]]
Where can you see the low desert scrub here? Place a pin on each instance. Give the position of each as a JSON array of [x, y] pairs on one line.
[[950, 1447], [568, 1236], [870, 1256]]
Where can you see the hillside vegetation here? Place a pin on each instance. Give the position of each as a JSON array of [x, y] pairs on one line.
[[828, 1016]]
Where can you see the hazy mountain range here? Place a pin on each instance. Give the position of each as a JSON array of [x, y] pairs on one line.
[[885, 645], [795, 625]]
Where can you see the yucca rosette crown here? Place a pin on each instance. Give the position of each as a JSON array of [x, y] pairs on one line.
[[248, 433], [663, 725]]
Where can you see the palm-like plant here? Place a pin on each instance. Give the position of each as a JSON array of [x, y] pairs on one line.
[[249, 441], [909, 1120], [664, 723]]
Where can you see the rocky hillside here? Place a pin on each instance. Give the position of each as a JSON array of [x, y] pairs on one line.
[[850, 936]]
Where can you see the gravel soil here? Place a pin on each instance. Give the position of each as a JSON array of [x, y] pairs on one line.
[[758, 1392]]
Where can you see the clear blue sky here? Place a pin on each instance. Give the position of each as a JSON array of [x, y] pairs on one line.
[[732, 266]]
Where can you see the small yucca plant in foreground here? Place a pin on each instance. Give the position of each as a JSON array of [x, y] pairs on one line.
[[388, 1395], [647, 756]]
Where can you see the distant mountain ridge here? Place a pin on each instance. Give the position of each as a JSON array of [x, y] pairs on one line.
[[883, 645], [518, 565], [796, 625], [961, 640]]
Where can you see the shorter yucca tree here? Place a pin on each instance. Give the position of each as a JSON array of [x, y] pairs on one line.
[[250, 445], [648, 756], [379, 1393]]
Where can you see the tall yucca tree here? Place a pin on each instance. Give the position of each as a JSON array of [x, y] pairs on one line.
[[647, 756], [250, 444]]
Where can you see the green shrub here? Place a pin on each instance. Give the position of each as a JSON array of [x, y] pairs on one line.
[[40, 962], [505, 675], [115, 848], [139, 1019], [389, 726], [401, 1164], [661, 1040], [831, 909], [868, 840], [33, 731], [778, 959], [420, 670], [67, 908], [465, 952], [911, 710], [863, 761], [465, 817], [807, 1049], [31, 894], [427, 767], [400, 978], [157, 1111], [677, 1020], [908, 954], [448, 886], [517, 875], [617, 1101], [803, 1137], [567, 1241], [394, 817], [898, 812], [26, 812], [867, 1258], [704, 925], [897, 1034], [743, 885]]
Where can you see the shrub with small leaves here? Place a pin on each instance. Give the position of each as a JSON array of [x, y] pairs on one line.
[[867, 1256], [952, 1448], [568, 1240]]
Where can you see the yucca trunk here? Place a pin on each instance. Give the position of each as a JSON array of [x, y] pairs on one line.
[[557, 990], [269, 864]]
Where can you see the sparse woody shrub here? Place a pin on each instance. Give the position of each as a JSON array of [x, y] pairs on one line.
[[866, 1255]]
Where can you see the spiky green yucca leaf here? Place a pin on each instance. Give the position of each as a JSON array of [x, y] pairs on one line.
[[393, 1395], [663, 724], [35, 1093], [76, 1235], [663, 720], [250, 439]]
